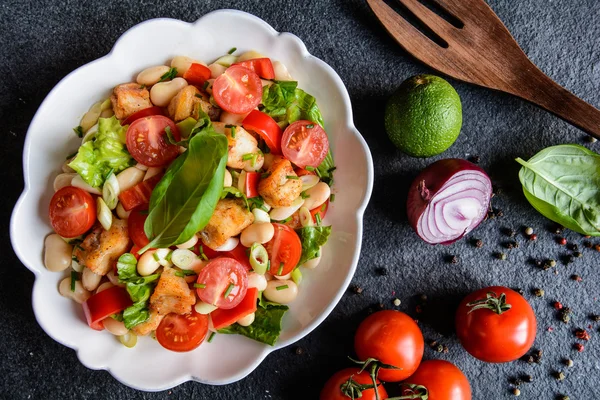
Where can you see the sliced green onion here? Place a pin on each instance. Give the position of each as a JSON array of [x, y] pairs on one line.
[[106, 104], [304, 195], [309, 168], [155, 256], [250, 157], [318, 218], [280, 270], [199, 285], [309, 181], [228, 291], [129, 339], [104, 214], [232, 50], [204, 86], [295, 177], [212, 335], [202, 255], [306, 218], [227, 60], [233, 131], [282, 287], [259, 258], [265, 175], [74, 278], [183, 258], [297, 276]]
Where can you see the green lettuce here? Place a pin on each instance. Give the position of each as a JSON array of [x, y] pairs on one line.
[[266, 327], [105, 152], [312, 238]]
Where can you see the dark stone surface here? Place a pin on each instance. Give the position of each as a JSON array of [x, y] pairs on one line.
[[41, 41]]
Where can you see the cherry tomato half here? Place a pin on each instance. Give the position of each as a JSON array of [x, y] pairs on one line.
[[225, 283], [262, 66], [135, 226], [182, 332], [305, 143], [442, 379], [238, 90], [393, 338], [492, 332], [332, 389], [266, 128], [146, 112], [72, 211], [147, 141], [284, 250]]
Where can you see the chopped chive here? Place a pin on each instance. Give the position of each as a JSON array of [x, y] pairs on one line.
[[229, 126], [250, 157], [285, 221], [229, 289], [205, 85], [78, 131], [71, 155], [309, 168], [232, 50], [233, 131], [155, 256], [310, 126], [324, 206], [202, 255], [304, 195], [112, 170], [292, 177], [199, 285], [198, 95], [170, 74], [318, 218], [212, 335], [74, 277], [318, 173], [280, 270], [332, 198], [330, 170], [282, 287], [183, 273], [73, 258], [79, 247], [168, 257], [265, 175]]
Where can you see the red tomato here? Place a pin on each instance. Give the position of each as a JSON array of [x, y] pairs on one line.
[[225, 283], [134, 250], [146, 112], [332, 389], [139, 195], [135, 226], [223, 318], [105, 303], [147, 141], [321, 210], [197, 74], [284, 250], [305, 143], [302, 172], [238, 90], [266, 127], [72, 211], [492, 332], [262, 66], [251, 185], [442, 379], [393, 338], [182, 332], [240, 254]]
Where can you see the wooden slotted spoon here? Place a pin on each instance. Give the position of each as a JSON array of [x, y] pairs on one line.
[[483, 52]]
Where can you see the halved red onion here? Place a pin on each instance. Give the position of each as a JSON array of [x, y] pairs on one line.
[[448, 199]]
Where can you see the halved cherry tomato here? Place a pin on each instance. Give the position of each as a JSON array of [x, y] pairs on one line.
[[146, 112], [225, 283], [72, 211], [139, 195], [442, 379], [238, 90], [262, 66], [305, 143], [223, 318], [105, 303], [197, 74], [284, 250], [332, 389], [182, 332], [321, 210], [147, 141], [393, 338], [266, 127], [251, 185], [135, 226]]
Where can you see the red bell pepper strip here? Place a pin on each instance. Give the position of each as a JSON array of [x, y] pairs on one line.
[[223, 318], [197, 74], [104, 304], [262, 66], [266, 127], [139, 195], [240, 254], [252, 179]]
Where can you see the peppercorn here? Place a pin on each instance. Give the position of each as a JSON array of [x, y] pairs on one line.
[[527, 378], [501, 256], [559, 375], [578, 254], [529, 359], [539, 292], [299, 350], [499, 213], [569, 363], [587, 244], [576, 277], [579, 347], [565, 314], [597, 247], [418, 309], [519, 290], [439, 348], [558, 229], [508, 232], [380, 306], [567, 259], [445, 351], [397, 302], [562, 397], [582, 334], [356, 289], [595, 317], [478, 243], [516, 392], [423, 297], [453, 259], [561, 240], [476, 159], [552, 263], [528, 231], [533, 237], [538, 354], [573, 247], [511, 245], [557, 305], [516, 381], [433, 344]]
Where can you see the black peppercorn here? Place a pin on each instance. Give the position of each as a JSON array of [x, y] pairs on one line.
[[478, 243], [356, 289], [299, 350]]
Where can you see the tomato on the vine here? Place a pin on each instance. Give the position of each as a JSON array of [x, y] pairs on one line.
[[437, 380], [360, 386], [496, 324]]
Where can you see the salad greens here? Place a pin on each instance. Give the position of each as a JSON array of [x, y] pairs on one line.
[[105, 152], [312, 238], [183, 201], [139, 289], [563, 184], [235, 192], [266, 326]]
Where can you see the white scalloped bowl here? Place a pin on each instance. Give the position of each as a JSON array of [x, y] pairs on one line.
[[49, 139]]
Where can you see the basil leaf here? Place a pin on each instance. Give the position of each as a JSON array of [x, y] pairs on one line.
[[312, 238], [266, 327], [563, 184], [185, 198], [235, 192], [136, 314]]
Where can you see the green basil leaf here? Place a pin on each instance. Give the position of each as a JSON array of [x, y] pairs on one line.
[[184, 200], [139, 288], [235, 192], [266, 327], [563, 184], [135, 314], [312, 238], [127, 267]]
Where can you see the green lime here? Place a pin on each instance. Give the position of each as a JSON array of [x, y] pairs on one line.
[[424, 116]]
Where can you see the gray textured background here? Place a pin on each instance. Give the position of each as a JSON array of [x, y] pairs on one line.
[[42, 41]]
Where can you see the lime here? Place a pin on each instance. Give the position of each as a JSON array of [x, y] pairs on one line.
[[424, 116]]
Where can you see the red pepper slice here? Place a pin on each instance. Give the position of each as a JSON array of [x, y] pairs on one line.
[[223, 318], [266, 127], [139, 195], [197, 74], [252, 179], [240, 254], [262, 66], [104, 304]]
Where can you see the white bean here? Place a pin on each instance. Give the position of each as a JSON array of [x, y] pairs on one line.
[[81, 184], [121, 211], [142, 167], [163, 257], [162, 93], [151, 75], [115, 327], [183, 63], [114, 279], [129, 177], [260, 216], [147, 265], [63, 180], [104, 286], [250, 55], [229, 245], [204, 308], [247, 320], [90, 118], [57, 254], [281, 213], [227, 60], [281, 72], [312, 264], [283, 277], [190, 243], [90, 280], [284, 295], [228, 179], [216, 70], [79, 294], [232, 119], [309, 181], [257, 281], [317, 195], [152, 171], [257, 233]]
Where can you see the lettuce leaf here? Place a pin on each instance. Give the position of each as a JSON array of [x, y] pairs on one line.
[[266, 327], [105, 152], [312, 238]]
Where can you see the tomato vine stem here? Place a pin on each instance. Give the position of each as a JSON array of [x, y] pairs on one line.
[[492, 302]]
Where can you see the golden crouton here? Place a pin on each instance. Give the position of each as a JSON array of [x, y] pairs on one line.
[[172, 294], [229, 219], [129, 98], [277, 188], [101, 248], [187, 102]]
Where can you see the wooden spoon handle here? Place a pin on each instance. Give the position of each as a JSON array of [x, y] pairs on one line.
[[539, 89]]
